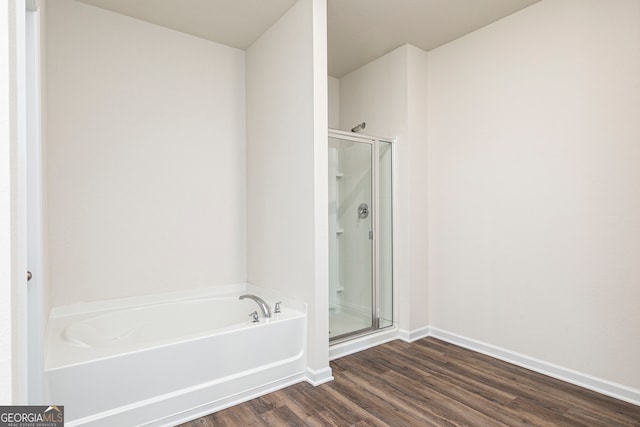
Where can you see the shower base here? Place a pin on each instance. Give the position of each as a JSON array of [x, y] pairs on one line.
[[343, 322]]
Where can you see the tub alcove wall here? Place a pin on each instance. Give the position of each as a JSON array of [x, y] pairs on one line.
[[175, 163]]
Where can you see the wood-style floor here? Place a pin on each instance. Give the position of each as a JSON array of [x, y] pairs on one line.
[[428, 383]]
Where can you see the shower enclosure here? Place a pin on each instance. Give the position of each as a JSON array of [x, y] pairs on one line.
[[360, 235]]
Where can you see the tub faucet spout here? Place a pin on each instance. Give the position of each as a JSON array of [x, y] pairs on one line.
[[264, 307]]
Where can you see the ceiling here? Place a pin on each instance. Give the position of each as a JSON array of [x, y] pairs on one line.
[[359, 31], [236, 23]]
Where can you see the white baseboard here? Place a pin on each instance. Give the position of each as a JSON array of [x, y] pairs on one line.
[[416, 334], [315, 378], [599, 385]]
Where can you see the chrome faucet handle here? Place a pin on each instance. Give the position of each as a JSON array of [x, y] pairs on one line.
[[264, 307], [255, 317], [277, 308]]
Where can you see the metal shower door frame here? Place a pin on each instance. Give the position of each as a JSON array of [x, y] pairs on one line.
[[375, 269]]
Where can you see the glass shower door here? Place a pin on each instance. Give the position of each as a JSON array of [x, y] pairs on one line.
[[351, 248]]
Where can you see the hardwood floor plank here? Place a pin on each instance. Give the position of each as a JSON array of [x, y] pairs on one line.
[[244, 416], [450, 375], [428, 383], [548, 391], [594, 417], [421, 406], [440, 404], [350, 411], [376, 404], [301, 404], [477, 391], [414, 389], [262, 404], [466, 396], [282, 416], [548, 415], [324, 418], [334, 409], [468, 367]]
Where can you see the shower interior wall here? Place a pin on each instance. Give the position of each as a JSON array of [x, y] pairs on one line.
[[351, 288]]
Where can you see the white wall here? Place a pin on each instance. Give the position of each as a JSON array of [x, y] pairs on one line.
[[389, 95], [534, 203], [5, 216], [7, 145], [376, 94], [146, 157], [37, 306], [334, 102], [414, 202], [13, 254], [283, 169]]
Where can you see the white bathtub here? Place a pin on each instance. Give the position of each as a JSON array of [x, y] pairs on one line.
[[162, 360]]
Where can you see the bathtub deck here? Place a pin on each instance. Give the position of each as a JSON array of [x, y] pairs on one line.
[[427, 383]]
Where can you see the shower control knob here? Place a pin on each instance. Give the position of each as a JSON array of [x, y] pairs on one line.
[[363, 210]]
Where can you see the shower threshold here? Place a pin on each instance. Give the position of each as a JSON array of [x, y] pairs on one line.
[[361, 340], [345, 326]]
